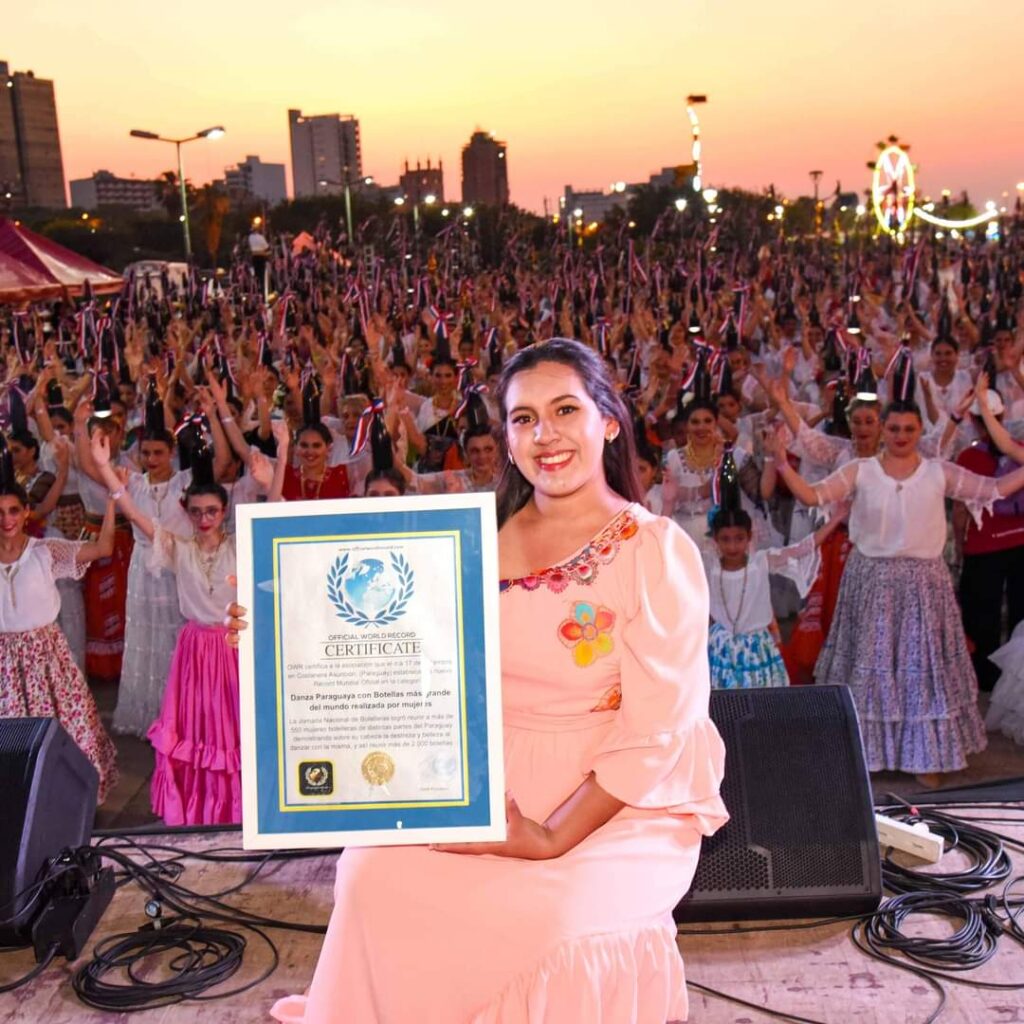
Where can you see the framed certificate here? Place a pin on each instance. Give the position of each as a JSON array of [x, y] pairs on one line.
[[370, 672]]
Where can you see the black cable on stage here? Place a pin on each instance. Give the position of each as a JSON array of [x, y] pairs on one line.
[[880, 934], [200, 958], [160, 881], [990, 863], [195, 948], [780, 1014], [10, 986]]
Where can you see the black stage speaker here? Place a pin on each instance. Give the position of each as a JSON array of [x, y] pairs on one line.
[[47, 802], [801, 841]]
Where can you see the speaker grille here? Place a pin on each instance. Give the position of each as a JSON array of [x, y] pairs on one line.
[[19, 735], [817, 864], [797, 790]]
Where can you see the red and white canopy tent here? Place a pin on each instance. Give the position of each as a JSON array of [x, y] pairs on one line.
[[33, 268]]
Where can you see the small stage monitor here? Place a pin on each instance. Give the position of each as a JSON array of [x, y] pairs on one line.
[[47, 803], [801, 839]]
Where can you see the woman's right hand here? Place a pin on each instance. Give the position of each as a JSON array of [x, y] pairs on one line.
[[236, 621]]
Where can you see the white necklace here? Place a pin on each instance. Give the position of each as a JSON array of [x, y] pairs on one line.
[[743, 593]]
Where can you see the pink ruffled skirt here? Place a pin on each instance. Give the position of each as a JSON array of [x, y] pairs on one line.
[[197, 778], [420, 937]]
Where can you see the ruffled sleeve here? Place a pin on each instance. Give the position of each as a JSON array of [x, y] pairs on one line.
[[978, 493], [64, 564], [798, 562], [163, 554], [663, 750], [837, 486], [817, 447]]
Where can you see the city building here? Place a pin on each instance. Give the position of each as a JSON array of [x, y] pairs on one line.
[[253, 178], [680, 177], [484, 170], [106, 189], [596, 204], [325, 152], [420, 182], [591, 205], [31, 167]]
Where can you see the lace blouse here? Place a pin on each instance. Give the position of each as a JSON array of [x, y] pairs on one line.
[[29, 597], [905, 518]]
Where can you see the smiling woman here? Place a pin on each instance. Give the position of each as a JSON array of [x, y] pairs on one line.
[[897, 638], [564, 420], [612, 763], [38, 676]]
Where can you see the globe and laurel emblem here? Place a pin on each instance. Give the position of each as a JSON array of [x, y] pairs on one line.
[[370, 592]]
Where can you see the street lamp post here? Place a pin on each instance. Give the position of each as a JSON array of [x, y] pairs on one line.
[[692, 102], [816, 177], [323, 183], [207, 133]]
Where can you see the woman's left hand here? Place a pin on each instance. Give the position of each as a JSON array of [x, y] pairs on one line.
[[526, 839]]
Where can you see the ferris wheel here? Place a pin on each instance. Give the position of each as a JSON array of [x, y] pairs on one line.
[[894, 192], [893, 189]]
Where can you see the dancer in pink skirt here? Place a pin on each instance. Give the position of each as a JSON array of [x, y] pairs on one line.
[[612, 763], [196, 780]]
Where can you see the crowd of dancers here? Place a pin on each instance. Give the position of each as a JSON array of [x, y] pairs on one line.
[[837, 428]]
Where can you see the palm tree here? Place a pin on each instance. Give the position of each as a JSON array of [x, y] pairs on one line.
[[169, 193], [213, 206]]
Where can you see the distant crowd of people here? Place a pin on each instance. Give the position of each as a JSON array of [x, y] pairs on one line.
[[838, 430]]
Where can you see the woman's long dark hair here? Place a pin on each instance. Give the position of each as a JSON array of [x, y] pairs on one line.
[[619, 460]]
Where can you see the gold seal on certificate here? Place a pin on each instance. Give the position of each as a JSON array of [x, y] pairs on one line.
[[378, 768]]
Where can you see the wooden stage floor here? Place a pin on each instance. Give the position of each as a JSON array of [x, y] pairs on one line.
[[817, 973]]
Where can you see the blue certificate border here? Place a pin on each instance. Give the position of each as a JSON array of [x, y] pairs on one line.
[[452, 535], [474, 810]]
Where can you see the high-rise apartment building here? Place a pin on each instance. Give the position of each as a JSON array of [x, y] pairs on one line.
[[106, 189], [419, 182], [485, 170], [31, 167], [253, 178], [325, 152]]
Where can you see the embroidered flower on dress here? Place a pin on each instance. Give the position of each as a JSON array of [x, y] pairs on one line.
[[588, 632], [611, 699], [584, 565]]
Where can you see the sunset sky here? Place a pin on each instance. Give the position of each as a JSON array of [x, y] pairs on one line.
[[585, 92]]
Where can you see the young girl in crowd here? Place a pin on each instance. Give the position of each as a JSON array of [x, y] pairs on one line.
[[743, 645], [196, 779], [38, 676]]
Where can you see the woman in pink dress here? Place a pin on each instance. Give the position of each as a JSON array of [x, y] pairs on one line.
[[612, 763]]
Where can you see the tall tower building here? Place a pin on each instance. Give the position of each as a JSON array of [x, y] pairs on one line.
[[325, 152], [30, 160], [484, 170]]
